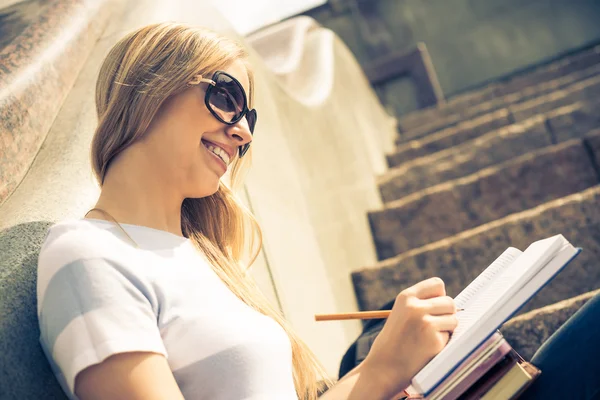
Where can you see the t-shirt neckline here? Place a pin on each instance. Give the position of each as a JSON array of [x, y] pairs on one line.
[[142, 228]]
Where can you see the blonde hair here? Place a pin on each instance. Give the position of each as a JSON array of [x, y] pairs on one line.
[[139, 73]]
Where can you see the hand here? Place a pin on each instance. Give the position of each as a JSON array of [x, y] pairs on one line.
[[417, 329]]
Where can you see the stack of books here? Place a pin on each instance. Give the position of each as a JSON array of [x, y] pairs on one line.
[[477, 362]]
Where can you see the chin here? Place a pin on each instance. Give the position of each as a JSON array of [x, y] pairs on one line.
[[205, 190]]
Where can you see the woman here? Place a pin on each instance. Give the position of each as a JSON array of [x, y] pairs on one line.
[[146, 297]]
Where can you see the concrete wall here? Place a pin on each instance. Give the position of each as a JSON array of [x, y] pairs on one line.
[[470, 41]]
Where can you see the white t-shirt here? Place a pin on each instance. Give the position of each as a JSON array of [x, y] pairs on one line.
[[98, 295]]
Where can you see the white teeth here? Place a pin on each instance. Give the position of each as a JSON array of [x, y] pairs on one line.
[[219, 152]]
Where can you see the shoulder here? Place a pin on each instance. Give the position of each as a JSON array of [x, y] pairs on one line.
[[71, 241]]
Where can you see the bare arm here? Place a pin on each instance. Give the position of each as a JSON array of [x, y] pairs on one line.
[[417, 329], [359, 384], [128, 376]]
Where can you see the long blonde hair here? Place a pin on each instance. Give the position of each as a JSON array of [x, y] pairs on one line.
[[140, 72]]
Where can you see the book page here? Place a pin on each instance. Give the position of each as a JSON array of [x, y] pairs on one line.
[[484, 280], [507, 279], [475, 310], [483, 307]]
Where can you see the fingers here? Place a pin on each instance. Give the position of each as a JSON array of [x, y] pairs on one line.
[[444, 323], [440, 305], [432, 287], [445, 336]]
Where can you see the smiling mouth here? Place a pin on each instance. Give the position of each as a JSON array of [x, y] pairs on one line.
[[217, 152]]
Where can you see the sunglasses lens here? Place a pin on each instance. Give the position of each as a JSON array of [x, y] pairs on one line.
[[227, 101], [227, 98], [244, 149], [251, 117]]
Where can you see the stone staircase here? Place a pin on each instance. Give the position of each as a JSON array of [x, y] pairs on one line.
[[503, 165], [510, 92]]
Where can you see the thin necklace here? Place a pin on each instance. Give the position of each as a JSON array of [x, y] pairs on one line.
[[106, 214]]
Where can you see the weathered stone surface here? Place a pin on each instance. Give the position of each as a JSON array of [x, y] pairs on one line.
[[436, 124], [422, 123], [450, 208], [464, 159], [575, 67], [37, 68], [562, 125], [592, 142], [459, 259], [569, 66], [586, 90], [450, 107], [527, 332], [449, 137], [584, 118]]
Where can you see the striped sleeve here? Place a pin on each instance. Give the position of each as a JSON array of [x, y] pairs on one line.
[[90, 309]]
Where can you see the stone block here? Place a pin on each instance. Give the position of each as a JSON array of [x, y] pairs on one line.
[[549, 86], [569, 69], [527, 332], [449, 107], [428, 127], [592, 142], [434, 125], [459, 259], [575, 124], [573, 67], [518, 89], [465, 159], [450, 208], [586, 90], [417, 118], [449, 137]]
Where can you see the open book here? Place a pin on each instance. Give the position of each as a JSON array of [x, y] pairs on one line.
[[492, 298]]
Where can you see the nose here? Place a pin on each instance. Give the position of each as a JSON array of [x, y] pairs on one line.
[[240, 132]]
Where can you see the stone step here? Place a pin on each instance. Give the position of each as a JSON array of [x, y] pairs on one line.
[[580, 119], [527, 332], [465, 159], [460, 258], [562, 124], [449, 137], [583, 114], [522, 105], [452, 207], [585, 90], [543, 79], [563, 67]]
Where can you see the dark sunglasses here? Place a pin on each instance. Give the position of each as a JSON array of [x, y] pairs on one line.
[[226, 100]]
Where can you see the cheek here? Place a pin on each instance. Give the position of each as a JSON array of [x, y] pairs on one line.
[[176, 152], [183, 130]]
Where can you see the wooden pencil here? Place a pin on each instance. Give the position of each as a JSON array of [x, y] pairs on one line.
[[357, 315]]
